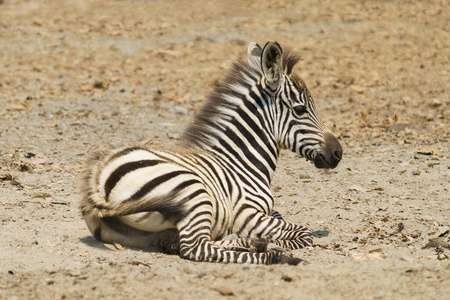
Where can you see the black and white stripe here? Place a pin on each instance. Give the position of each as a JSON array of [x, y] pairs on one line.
[[211, 200]]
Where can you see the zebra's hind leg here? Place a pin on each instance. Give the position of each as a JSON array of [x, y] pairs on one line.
[[170, 247]]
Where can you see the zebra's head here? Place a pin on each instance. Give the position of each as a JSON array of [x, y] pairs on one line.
[[297, 127]]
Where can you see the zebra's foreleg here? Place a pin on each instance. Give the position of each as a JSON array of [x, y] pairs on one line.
[[280, 232], [196, 244], [276, 215], [256, 245], [207, 250]]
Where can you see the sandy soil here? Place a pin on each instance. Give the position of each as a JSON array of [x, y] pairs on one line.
[[76, 76]]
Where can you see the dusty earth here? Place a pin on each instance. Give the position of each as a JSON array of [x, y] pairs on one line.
[[76, 76]]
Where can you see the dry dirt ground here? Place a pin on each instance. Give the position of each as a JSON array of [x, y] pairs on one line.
[[76, 76]]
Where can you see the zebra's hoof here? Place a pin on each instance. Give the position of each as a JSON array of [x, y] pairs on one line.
[[291, 260]]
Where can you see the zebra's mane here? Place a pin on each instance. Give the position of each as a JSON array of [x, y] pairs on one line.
[[211, 120]]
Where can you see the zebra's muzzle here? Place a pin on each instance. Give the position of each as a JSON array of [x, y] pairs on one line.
[[330, 155]]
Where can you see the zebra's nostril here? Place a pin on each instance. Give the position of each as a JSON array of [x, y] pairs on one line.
[[338, 154], [321, 162]]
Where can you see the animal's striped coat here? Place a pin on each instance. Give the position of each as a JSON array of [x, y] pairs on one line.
[[211, 200]]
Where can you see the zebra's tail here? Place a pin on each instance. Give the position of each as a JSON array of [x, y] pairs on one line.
[[93, 203]]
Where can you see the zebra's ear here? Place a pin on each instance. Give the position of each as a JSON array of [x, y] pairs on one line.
[[254, 55], [271, 64]]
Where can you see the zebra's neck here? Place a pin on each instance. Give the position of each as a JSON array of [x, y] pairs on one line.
[[237, 124]]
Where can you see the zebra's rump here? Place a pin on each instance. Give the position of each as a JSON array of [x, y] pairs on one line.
[[143, 189]]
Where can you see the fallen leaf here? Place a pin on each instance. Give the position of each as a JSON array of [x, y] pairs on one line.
[[86, 87], [288, 277], [6, 176], [376, 254], [137, 263], [429, 151], [29, 155], [115, 79], [358, 256], [407, 258], [435, 103], [432, 257], [228, 275], [41, 195], [352, 246], [224, 291], [39, 161], [378, 250], [23, 166], [357, 88], [357, 188], [169, 53], [442, 256], [118, 246], [443, 231], [277, 188], [16, 183], [59, 203], [364, 116], [100, 85], [19, 107]]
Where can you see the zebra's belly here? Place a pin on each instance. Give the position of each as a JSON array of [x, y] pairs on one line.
[[152, 221]]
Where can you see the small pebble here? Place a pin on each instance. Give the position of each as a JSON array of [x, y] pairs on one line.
[[178, 110]]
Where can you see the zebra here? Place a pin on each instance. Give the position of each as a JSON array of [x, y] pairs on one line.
[[209, 198]]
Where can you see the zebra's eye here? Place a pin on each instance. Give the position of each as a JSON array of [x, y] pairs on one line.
[[300, 110]]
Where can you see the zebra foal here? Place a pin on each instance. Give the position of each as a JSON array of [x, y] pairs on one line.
[[211, 200]]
